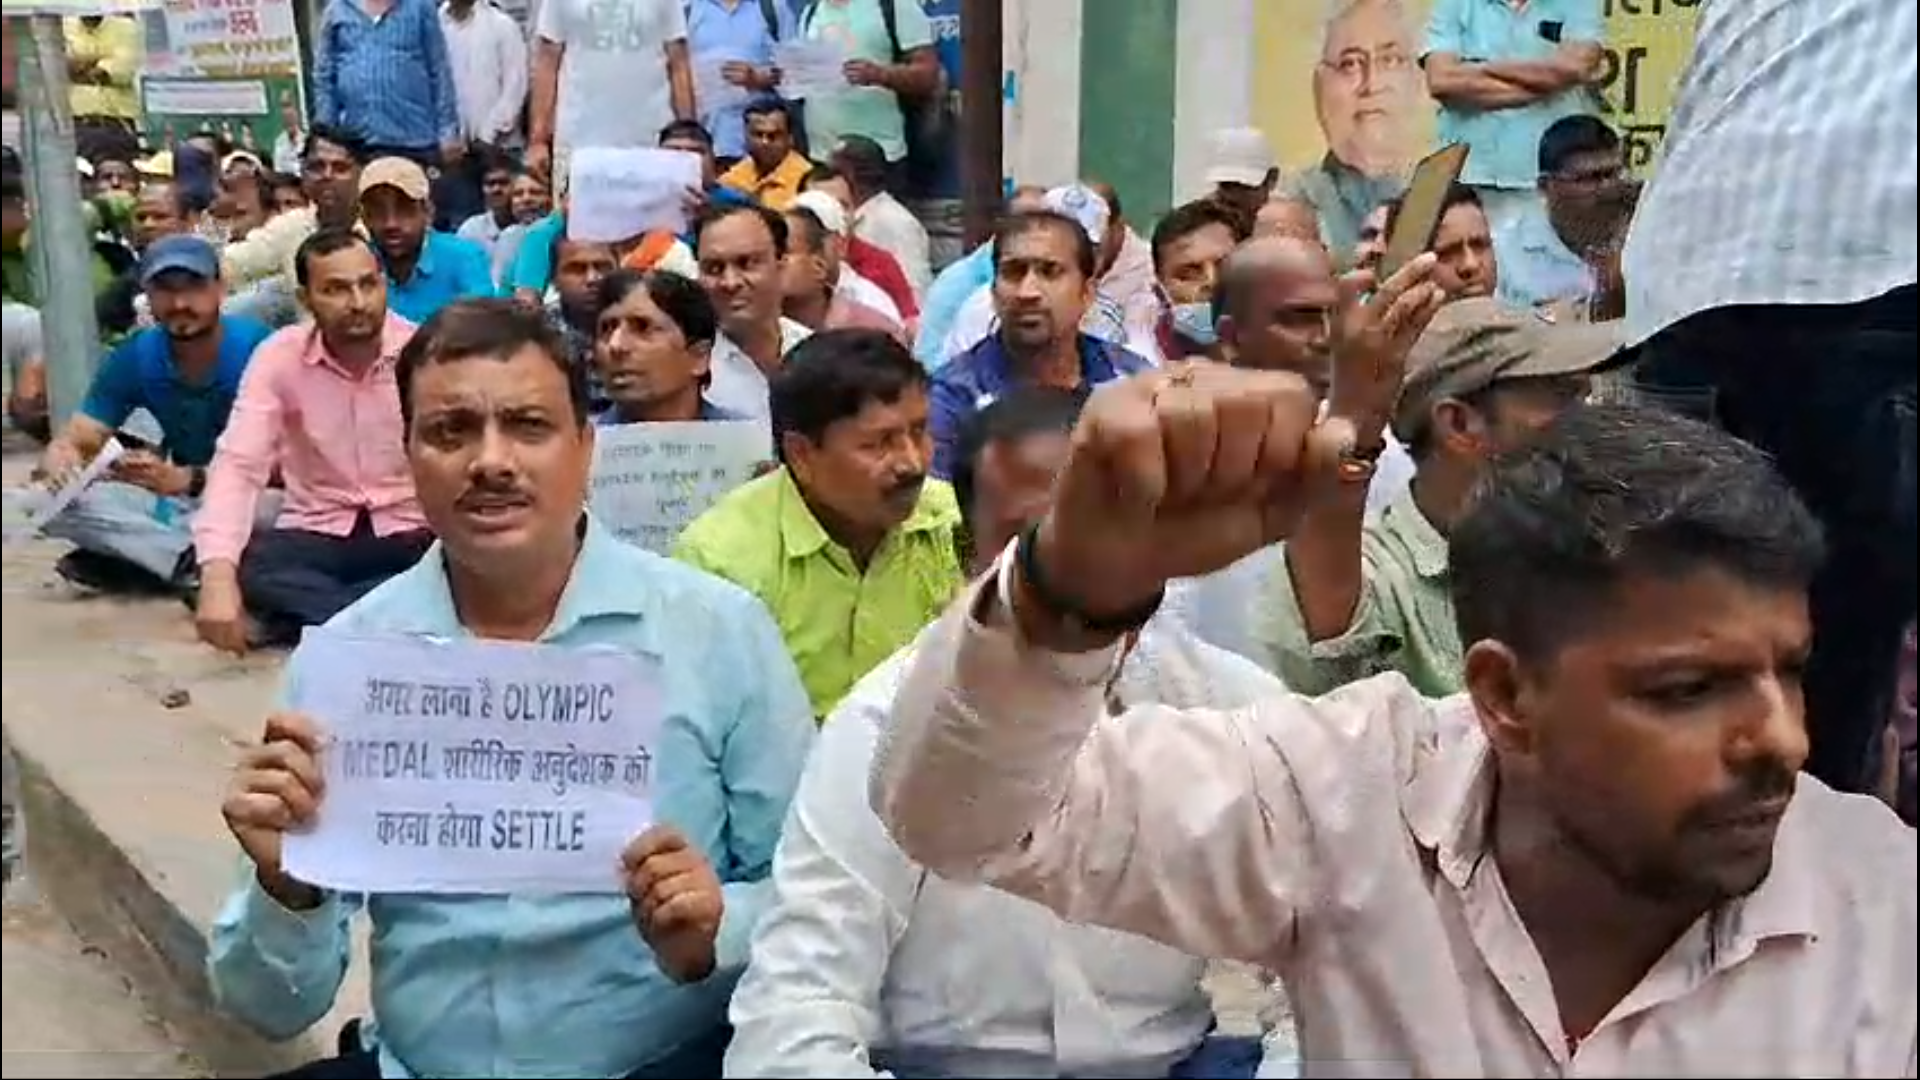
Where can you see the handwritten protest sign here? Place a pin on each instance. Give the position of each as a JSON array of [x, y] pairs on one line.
[[710, 86], [474, 767], [618, 194], [810, 68], [650, 480]]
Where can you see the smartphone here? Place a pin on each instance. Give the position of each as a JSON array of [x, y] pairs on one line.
[[1421, 207], [130, 441]]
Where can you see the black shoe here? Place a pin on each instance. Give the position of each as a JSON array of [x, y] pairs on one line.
[[104, 573]]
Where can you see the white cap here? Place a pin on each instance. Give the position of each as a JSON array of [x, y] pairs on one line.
[[1239, 156], [85, 166], [826, 208], [1084, 205]]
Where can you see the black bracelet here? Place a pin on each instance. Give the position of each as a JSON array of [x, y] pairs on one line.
[[196, 481], [1126, 622]]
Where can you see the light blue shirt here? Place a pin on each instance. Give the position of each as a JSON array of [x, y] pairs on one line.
[[449, 269], [557, 986], [950, 291], [1536, 266], [716, 34], [1506, 142]]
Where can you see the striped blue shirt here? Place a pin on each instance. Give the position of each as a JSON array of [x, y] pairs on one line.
[[385, 79]]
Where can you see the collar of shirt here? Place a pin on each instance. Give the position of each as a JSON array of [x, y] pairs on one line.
[[993, 372], [747, 176], [393, 337], [1403, 520], [610, 417], [802, 536], [600, 586], [424, 267], [1451, 803]]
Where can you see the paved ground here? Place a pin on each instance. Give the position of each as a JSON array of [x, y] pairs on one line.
[[68, 1012]]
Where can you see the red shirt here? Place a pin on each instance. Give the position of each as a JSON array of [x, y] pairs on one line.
[[880, 267]]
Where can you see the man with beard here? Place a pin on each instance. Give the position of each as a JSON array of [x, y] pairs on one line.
[[1600, 860], [1368, 97], [742, 251], [318, 407], [849, 544], [426, 269], [134, 529]]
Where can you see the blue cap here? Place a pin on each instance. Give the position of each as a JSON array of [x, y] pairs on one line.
[[188, 254]]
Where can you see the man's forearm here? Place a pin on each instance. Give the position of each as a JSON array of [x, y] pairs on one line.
[[1541, 78]]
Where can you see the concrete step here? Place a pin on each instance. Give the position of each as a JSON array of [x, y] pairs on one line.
[[125, 730]]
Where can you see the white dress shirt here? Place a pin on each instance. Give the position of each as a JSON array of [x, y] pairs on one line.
[[883, 222], [1791, 167], [488, 54], [858, 289], [866, 956], [738, 385]]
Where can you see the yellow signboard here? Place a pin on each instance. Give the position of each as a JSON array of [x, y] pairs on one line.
[[1346, 72]]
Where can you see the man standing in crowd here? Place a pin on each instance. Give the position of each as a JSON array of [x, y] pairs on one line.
[[848, 543], [742, 252], [426, 269], [771, 170], [609, 73], [1774, 278], [1503, 73], [890, 61], [135, 529], [488, 55], [381, 75], [104, 55], [1367, 96], [736, 39], [318, 406], [588, 985]]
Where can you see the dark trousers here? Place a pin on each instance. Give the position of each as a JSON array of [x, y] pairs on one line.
[[1829, 392], [291, 579], [698, 1060]]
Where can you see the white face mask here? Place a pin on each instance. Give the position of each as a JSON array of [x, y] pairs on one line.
[[1195, 323]]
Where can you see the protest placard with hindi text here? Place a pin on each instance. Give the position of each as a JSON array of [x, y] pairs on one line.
[[617, 194], [651, 480], [474, 767]]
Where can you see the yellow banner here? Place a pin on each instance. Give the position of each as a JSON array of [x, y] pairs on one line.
[[1345, 72]]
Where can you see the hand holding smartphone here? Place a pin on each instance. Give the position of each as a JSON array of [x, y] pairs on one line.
[[1421, 207]]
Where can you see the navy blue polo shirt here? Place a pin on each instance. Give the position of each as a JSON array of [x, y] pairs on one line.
[[140, 374]]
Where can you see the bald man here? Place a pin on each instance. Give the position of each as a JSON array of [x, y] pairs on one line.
[[1273, 310], [1287, 218], [1273, 307]]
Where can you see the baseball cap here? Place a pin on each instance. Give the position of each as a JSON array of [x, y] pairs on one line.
[[826, 208], [1478, 343], [401, 174], [1239, 156], [186, 254], [1083, 205]]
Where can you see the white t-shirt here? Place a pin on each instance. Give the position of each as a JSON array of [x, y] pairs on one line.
[[613, 75]]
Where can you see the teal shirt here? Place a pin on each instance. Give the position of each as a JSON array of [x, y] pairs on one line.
[[561, 985], [1506, 142], [450, 268], [871, 111]]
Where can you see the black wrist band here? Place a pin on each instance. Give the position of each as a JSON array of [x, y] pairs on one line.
[[1026, 555], [196, 481]]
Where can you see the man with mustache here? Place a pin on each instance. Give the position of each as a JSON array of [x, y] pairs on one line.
[[1600, 859], [631, 981], [317, 406], [849, 543]]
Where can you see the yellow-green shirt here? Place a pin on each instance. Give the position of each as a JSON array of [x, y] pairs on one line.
[[1403, 622], [116, 45], [838, 623]]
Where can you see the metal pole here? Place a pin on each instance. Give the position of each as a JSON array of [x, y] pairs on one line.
[[63, 250], [981, 80]]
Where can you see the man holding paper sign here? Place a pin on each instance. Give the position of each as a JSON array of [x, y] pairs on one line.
[[623, 962]]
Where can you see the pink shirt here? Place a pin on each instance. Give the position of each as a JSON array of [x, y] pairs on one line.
[[336, 438], [1340, 842]]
